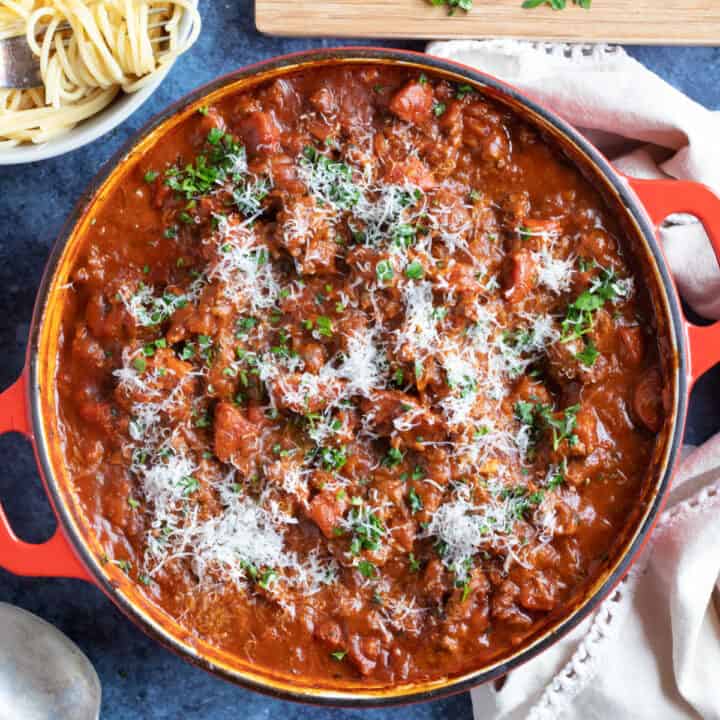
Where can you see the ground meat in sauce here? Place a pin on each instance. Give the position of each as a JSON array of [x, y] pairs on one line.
[[355, 377]]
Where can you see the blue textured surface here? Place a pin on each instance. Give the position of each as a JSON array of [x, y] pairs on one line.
[[140, 679]]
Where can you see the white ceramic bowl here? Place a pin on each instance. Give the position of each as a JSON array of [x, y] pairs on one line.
[[94, 127]]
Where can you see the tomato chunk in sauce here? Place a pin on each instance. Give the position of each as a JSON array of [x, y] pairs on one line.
[[356, 378]]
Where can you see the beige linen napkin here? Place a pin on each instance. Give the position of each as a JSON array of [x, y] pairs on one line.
[[652, 650]]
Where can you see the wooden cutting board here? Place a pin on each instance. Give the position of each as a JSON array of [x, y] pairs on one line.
[[627, 21]]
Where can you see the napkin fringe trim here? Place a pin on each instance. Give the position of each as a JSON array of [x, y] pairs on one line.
[[590, 53], [581, 667]]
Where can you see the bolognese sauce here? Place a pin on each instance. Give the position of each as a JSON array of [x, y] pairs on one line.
[[356, 379]]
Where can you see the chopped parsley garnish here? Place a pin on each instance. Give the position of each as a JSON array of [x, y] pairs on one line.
[[404, 235], [462, 91], [523, 501], [338, 655], [203, 421], [562, 427], [539, 415], [151, 176], [249, 569], [205, 348], [215, 136], [414, 501], [439, 109], [189, 484], [393, 458], [267, 578], [244, 326], [366, 568], [589, 354], [333, 458], [525, 412], [414, 270], [556, 479], [367, 529], [124, 565], [524, 232], [149, 310], [333, 178], [413, 563], [219, 165], [580, 315], [150, 348], [248, 196], [384, 271], [324, 325]]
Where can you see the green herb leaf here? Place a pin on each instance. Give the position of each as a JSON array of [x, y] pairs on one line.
[[215, 135], [384, 271], [324, 325], [589, 354], [415, 502], [366, 568], [333, 458], [267, 578], [414, 270], [453, 5], [393, 458], [462, 91]]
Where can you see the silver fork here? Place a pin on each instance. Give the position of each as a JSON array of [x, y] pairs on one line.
[[20, 67]]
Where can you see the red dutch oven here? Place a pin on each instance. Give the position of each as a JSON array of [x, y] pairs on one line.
[[29, 405]]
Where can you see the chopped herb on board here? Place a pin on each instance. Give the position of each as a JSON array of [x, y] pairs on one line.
[[453, 5], [556, 4], [466, 5]]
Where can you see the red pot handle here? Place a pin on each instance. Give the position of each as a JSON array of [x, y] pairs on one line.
[[662, 198], [54, 558]]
